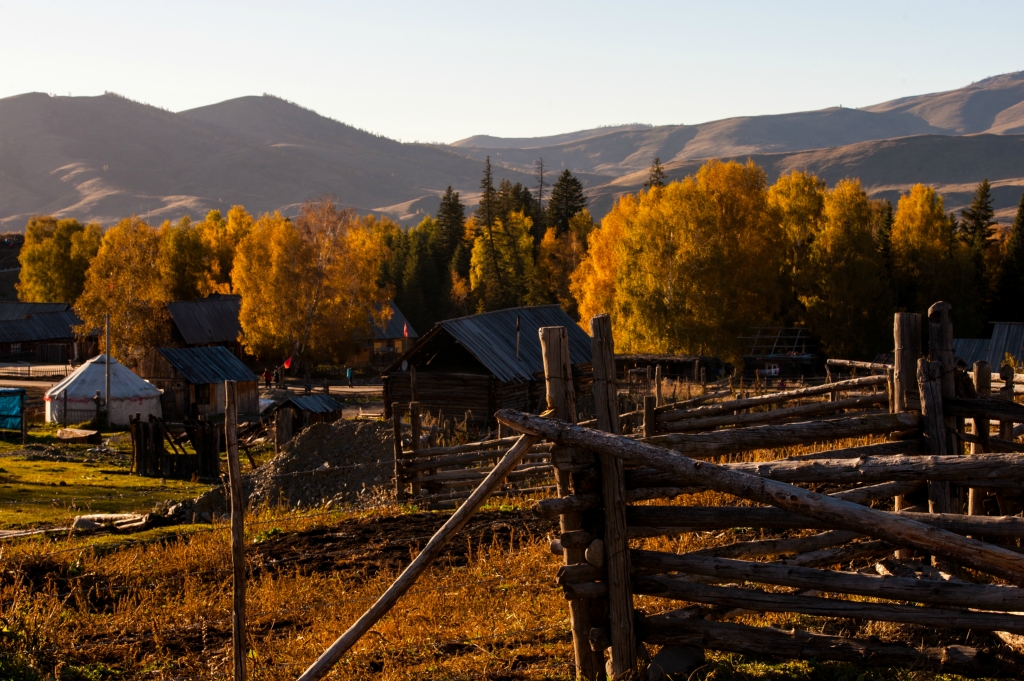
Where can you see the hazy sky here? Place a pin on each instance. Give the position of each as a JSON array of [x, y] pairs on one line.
[[433, 71]]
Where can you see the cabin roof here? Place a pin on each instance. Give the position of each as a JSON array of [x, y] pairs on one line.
[[17, 310], [39, 327], [396, 326], [317, 404], [490, 338], [1007, 337], [208, 320], [211, 364]]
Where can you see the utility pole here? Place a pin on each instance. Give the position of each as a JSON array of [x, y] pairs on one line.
[[106, 365]]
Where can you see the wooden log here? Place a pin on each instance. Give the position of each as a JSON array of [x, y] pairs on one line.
[[772, 642], [940, 341], [720, 442], [760, 601], [432, 550], [579, 574], [649, 425], [981, 408], [774, 416], [911, 446], [620, 598], [945, 593], [774, 547], [517, 473], [858, 550], [460, 449], [396, 428], [882, 490], [837, 513], [461, 459], [238, 642], [929, 375], [658, 399], [854, 364], [766, 400], [907, 337], [982, 386]]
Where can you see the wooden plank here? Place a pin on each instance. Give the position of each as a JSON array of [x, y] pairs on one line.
[[982, 386], [616, 546], [979, 407], [770, 437], [838, 514], [929, 375], [775, 415], [945, 593], [238, 642]]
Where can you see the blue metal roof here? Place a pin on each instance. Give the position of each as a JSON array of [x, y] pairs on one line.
[[204, 365], [491, 338], [1007, 338], [208, 320], [318, 404], [39, 326]]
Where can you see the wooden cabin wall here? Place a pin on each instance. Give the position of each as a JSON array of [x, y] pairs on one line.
[[455, 394]]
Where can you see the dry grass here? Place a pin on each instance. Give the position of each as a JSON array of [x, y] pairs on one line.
[[159, 608]]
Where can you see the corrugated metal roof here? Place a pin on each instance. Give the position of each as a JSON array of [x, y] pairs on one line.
[[1007, 337], [395, 328], [208, 320], [39, 327], [15, 310], [318, 404], [491, 338], [213, 364]]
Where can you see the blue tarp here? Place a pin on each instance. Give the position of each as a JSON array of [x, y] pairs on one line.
[[12, 402]]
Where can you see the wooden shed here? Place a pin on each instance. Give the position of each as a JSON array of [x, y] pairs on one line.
[[483, 363], [193, 380]]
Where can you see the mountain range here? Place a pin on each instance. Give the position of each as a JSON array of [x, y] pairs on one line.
[[102, 158]]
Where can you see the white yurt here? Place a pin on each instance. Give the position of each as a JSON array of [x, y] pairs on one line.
[[129, 394]]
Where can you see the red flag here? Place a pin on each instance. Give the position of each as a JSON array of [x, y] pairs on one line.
[[405, 330], [288, 363]]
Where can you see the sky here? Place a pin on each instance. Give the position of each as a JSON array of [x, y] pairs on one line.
[[443, 71]]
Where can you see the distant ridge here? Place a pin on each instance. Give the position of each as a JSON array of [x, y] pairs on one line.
[[102, 158]]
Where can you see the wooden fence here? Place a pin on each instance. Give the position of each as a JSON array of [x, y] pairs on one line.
[[158, 449]]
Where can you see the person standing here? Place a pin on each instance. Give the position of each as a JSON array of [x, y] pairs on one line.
[[267, 376], [348, 375]]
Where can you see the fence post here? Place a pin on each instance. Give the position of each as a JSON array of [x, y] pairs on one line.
[[1005, 427], [657, 385], [554, 346], [414, 421], [616, 545], [929, 378], [940, 341], [906, 331], [983, 386], [237, 529], [396, 425], [650, 402]]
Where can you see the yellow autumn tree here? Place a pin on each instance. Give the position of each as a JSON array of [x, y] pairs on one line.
[[501, 269], [686, 268], [558, 256], [221, 238], [184, 261], [55, 258], [309, 287], [844, 289], [123, 282]]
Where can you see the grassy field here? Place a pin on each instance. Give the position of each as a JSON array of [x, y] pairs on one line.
[[157, 605]]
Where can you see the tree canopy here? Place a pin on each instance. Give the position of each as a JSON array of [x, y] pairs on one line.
[[55, 258]]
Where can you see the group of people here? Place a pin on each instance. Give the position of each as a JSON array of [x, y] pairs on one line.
[[275, 378]]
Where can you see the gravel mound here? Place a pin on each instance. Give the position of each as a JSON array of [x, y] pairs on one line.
[[340, 462]]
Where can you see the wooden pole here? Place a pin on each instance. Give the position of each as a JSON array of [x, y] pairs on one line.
[[837, 513], [1005, 427], [106, 366], [414, 422], [432, 550], [650, 420], [616, 545], [657, 386], [906, 331], [983, 386], [237, 530], [396, 427], [929, 376], [561, 398]]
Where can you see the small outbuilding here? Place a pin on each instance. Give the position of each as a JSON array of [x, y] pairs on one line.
[[302, 411], [193, 380], [129, 394], [478, 364], [42, 332]]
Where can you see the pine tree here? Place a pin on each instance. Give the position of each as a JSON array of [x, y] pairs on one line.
[[515, 198], [656, 176], [451, 224], [567, 199], [1009, 306], [976, 225], [539, 224], [487, 212]]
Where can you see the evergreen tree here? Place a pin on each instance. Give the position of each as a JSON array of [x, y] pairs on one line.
[[515, 198], [976, 225], [451, 224], [656, 176], [539, 223], [567, 199], [486, 214], [1009, 305]]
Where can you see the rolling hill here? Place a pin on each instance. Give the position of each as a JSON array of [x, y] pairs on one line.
[[101, 158]]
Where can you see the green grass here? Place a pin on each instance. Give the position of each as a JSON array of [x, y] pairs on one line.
[[47, 493]]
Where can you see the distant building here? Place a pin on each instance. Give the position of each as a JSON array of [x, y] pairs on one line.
[[483, 363], [207, 321], [1007, 339], [388, 342], [777, 352], [42, 332], [193, 380]]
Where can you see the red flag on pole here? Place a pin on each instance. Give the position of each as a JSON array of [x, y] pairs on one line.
[[405, 330], [288, 363]]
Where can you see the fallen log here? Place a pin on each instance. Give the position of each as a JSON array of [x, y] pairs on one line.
[[764, 400], [953, 594], [836, 513], [771, 642], [773, 547], [854, 364], [761, 601], [775, 415], [706, 445]]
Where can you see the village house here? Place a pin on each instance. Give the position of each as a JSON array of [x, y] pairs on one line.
[[193, 380]]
